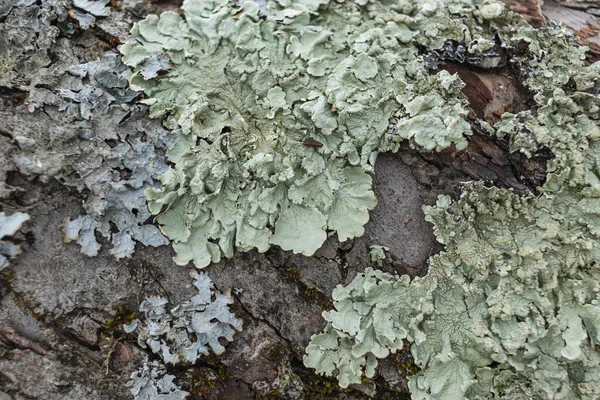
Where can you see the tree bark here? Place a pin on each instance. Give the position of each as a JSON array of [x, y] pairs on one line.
[[56, 304]]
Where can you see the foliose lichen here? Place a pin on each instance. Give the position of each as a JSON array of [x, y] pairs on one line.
[[510, 308], [30, 40], [113, 166], [377, 254], [152, 382], [280, 115], [78, 123], [9, 225], [187, 331]]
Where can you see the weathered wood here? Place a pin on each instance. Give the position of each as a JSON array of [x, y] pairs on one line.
[[531, 10], [581, 16]]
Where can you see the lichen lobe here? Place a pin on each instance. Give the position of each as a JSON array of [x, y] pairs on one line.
[[245, 95]]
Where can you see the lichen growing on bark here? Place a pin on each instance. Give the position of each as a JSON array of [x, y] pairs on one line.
[[510, 308], [187, 331], [77, 122], [152, 382], [113, 167], [9, 225], [279, 117]]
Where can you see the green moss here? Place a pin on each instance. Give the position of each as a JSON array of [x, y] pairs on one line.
[[123, 315], [291, 274], [319, 298], [404, 362], [201, 382], [278, 352], [18, 98], [321, 388], [116, 4]]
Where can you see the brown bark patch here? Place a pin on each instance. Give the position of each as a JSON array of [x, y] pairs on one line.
[[531, 10], [582, 17], [491, 93]]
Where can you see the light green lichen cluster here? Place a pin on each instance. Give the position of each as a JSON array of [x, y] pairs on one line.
[[370, 321], [525, 281], [279, 117], [511, 308]]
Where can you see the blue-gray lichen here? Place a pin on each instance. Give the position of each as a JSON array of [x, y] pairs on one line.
[[189, 330], [78, 123], [30, 39], [9, 225], [279, 117], [152, 382], [114, 165], [510, 309]]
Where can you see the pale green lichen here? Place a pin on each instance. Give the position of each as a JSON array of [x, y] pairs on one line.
[[369, 322], [377, 254], [279, 117], [511, 308]]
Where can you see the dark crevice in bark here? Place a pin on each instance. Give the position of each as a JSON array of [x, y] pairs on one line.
[[70, 336], [493, 86], [13, 96], [263, 320]]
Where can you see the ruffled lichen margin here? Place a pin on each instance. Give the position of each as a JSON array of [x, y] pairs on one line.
[[510, 308], [280, 117]]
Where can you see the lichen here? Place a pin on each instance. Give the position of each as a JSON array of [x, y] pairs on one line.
[[510, 308], [279, 116], [189, 330], [180, 336], [287, 385], [152, 382], [78, 123], [9, 225], [114, 166], [377, 254]]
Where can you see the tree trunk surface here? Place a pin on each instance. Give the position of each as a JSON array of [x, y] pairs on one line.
[[56, 304]]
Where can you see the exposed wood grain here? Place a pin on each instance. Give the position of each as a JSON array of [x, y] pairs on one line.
[[531, 10], [491, 93], [582, 17]]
